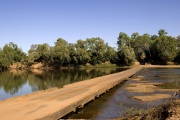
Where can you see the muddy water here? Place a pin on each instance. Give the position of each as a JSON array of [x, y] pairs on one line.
[[118, 101]]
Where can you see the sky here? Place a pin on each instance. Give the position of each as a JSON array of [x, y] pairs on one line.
[[27, 22]]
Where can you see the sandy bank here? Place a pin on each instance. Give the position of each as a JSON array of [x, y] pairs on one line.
[[147, 87], [162, 66], [152, 97]]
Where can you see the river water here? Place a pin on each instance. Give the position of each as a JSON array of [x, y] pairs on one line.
[[15, 83], [118, 101], [113, 104]]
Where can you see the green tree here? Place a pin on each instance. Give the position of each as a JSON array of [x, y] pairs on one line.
[[178, 42], [134, 36], [33, 54], [177, 58], [11, 53], [39, 53], [72, 53], [96, 49], [141, 47], [61, 52], [126, 56], [154, 37], [82, 55], [4, 63], [162, 32], [111, 54], [44, 52], [164, 49], [123, 40]]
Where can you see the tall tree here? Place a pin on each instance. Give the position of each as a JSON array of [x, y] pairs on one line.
[[13, 53], [177, 58], [141, 47], [164, 49], [123, 40], [44, 51], [154, 37], [178, 41], [4, 62], [134, 35], [61, 52], [72, 53], [83, 56], [96, 50], [162, 32], [33, 54], [126, 55], [111, 54]]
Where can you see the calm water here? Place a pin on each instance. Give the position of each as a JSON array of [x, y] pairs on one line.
[[113, 104], [117, 101], [16, 83], [169, 77]]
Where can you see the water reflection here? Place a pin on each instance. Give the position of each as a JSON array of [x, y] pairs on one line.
[[160, 75], [11, 82], [15, 83]]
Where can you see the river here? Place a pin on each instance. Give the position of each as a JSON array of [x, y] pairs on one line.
[[113, 104], [17, 82], [118, 101]]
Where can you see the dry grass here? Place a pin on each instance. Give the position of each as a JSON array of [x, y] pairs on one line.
[[36, 66], [168, 111]]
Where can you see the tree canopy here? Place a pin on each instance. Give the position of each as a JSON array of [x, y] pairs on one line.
[[154, 49], [9, 54]]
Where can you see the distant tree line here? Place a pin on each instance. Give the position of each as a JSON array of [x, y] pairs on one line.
[[147, 48], [92, 51], [154, 49]]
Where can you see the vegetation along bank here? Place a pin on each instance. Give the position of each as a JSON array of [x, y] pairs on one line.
[[153, 49]]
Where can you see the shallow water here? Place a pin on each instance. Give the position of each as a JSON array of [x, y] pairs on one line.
[[15, 83], [111, 105], [118, 101]]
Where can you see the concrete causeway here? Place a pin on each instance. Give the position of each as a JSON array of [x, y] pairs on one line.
[[55, 103]]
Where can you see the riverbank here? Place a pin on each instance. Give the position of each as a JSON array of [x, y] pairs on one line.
[[43, 66], [162, 66], [168, 111]]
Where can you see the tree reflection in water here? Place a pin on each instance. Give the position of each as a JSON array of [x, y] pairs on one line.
[[13, 81]]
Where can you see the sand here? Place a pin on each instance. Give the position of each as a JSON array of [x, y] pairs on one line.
[[152, 97]]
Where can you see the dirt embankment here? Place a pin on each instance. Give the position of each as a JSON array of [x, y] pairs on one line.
[[168, 111]]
